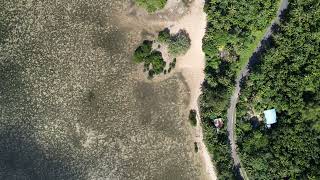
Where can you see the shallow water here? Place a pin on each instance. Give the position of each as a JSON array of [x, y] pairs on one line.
[[72, 106]]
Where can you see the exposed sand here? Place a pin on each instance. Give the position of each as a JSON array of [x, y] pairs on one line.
[[192, 66]]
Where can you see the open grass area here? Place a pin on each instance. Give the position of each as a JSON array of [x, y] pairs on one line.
[[246, 53]]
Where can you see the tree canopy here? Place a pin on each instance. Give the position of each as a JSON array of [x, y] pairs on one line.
[[287, 78], [152, 59], [178, 44], [234, 30]]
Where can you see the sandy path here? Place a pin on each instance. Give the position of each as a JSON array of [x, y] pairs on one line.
[[192, 66]]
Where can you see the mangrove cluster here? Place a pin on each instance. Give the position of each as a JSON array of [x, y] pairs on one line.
[[177, 45], [152, 59]]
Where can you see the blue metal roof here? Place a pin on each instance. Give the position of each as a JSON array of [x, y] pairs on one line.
[[271, 116]]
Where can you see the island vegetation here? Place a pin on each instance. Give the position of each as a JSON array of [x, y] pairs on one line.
[[177, 45], [286, 78], [152, 59], [151, 5], [234, 30]]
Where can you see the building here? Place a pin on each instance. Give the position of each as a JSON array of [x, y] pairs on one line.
[[218, 123], [270, 117]]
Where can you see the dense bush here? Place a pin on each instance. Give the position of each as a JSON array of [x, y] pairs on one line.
[[196, 148], [218, 145], [157, 63], [151, 5], [153, 61], [193, 117], [287, 78], [142, 52], [164, 36], [178, 44]]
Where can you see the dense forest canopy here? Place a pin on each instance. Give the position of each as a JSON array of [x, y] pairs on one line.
[[234, 29], [286, 79]]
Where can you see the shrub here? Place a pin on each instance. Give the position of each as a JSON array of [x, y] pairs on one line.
[[196, 148], [153, 61], [156, 61], [142, 52], [164, 36], [193, 117], [180, 43]]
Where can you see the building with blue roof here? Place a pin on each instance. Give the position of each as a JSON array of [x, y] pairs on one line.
[[270, 117]]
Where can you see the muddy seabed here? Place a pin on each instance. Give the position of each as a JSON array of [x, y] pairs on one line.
[[73, 105]]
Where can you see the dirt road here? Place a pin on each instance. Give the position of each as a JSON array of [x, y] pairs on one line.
[[234, 98]]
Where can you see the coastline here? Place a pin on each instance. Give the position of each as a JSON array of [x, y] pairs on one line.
[[192, 65]]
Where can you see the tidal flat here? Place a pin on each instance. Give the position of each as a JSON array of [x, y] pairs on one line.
[[73, 105]]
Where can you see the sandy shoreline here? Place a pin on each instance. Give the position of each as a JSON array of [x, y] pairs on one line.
[[191, 65]]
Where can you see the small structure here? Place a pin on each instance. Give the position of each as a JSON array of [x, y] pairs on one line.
[[218, 123], [270, 117]]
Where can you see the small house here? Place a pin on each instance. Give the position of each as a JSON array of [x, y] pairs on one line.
[[218, 123], [270, 117]]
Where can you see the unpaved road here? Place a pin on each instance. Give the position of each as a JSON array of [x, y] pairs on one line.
[[234, 98]]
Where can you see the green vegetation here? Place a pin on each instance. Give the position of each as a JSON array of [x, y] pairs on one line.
[[193, 117], [151, 5], [196, 148], [287, 78], [234, 29], [157, 63], [164, 36], [218, 145], [153, 61], [178, 44], [172, 65], [142, 53]]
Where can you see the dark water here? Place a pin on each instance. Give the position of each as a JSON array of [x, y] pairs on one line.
[[71, 107]]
